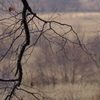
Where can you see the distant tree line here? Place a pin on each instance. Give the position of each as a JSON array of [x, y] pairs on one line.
[[65, 5], [72, 65], [48, 6]]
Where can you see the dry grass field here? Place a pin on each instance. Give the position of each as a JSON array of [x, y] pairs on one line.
[[84, 23], [66, 92], [74, 92]]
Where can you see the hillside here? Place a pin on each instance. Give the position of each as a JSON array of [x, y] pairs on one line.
[[46, 6], [65, 5]]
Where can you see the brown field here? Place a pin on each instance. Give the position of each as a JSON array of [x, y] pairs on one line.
[[84, 23]]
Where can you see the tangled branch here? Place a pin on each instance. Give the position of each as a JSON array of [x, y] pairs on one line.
[[30, 35]]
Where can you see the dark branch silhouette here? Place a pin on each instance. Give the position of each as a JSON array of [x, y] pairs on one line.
[[21, 30]]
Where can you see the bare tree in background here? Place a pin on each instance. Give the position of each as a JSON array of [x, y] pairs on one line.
[[20, 34]]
